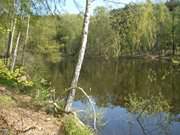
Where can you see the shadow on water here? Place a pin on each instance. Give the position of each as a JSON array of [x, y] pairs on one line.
[[110, 82]]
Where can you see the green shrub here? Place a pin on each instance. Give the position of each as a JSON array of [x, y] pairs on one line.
[[17, 78], [73, 127], [45, 97], [42, 95], [41, 92]]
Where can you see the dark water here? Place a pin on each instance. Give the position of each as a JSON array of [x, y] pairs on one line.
[[109, 82]]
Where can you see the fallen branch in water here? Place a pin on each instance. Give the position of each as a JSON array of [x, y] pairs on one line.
[[90, 101]]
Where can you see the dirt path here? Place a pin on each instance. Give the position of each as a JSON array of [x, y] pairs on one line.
[[26, 122], [15, 120]]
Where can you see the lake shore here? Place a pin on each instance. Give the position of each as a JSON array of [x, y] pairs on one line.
[[18, 116]]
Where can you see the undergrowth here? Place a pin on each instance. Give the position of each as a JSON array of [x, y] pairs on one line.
[[73, 127]]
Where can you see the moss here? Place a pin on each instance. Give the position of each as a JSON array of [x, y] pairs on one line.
[[6, 101], [72, 126]]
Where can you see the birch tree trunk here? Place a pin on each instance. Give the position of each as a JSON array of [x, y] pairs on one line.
[[12, 36], [26, 40], [15, 52], [71, 94], [13, 27]]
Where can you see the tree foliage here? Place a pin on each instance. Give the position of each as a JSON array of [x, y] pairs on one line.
[[136, 29]]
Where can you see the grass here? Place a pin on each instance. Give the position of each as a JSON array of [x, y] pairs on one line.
[[72, 126], [6, 101]]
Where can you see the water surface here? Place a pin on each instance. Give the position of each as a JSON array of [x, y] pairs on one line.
[[109, 82]]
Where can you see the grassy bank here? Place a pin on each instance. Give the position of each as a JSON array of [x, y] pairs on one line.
[[30, 107]]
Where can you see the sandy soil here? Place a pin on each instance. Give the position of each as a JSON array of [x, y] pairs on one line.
[[15, 120]]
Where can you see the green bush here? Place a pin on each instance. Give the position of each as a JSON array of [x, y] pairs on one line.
[[73, 127], [17, 78]]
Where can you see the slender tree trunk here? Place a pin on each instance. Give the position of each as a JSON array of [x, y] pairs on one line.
[[71, 94], [15, 52], [26, 40], [12, 36], [11, 39], [173, 34]]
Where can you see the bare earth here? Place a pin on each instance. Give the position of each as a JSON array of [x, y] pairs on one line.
[[15, 120], [26, 122]]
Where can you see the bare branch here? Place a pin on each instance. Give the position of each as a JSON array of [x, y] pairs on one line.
[[90, 101]]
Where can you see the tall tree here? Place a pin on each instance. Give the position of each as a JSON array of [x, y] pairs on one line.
[[15, 52], [11, 39], [72, 92]]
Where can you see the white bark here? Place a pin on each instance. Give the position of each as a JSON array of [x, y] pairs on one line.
[[71, 94], [12, 36], [15, 52], [12, 32]]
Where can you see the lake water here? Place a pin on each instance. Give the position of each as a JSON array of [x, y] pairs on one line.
[[110, 82]]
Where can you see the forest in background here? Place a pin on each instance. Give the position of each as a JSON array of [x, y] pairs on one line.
[[135, 30], [33, 42]]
